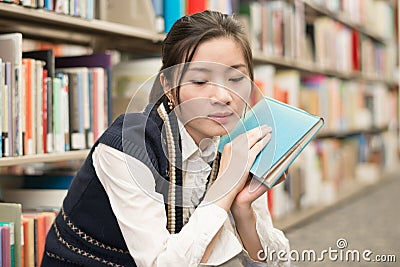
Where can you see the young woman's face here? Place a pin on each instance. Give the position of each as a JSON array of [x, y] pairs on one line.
[[214, 89]]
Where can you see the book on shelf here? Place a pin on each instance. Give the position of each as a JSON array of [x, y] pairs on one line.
[[292, 130], [94, 61], [47, 56], [11, 244], [29, 242], [6, 246], [76, 8], [11, 53], [11, 213], [3, 130], [80, 90]]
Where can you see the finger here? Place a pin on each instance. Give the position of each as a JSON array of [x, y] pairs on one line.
[[258, 146], [256, 134], [256, 188]]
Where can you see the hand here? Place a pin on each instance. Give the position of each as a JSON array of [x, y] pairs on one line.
[[251, 191], [236, 160]]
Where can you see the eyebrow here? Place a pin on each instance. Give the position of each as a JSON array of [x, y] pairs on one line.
[[199, 69], [237, 66]]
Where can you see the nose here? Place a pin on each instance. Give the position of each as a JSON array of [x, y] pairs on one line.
[[220, 95]]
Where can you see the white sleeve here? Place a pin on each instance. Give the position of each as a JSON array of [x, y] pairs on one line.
[[273, 241], [141, 216]]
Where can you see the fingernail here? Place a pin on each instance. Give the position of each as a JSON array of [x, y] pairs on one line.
[[266, 129]]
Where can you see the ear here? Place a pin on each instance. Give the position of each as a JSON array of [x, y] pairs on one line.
[[166, 85]]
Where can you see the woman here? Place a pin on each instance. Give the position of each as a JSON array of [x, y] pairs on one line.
[[153, 190]]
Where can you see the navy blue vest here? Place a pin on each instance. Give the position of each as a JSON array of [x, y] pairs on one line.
[[86, 231]]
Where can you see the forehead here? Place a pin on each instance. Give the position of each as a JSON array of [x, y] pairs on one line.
[[221, 50]]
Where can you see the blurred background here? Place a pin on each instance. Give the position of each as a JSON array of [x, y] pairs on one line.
[[70, 67]]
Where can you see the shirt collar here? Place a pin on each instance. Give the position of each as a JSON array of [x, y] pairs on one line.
[[189, 147]]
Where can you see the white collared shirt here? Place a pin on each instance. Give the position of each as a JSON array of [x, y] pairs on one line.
[[140, 212]]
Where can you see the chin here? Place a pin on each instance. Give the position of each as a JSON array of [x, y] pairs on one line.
[[219, 129]]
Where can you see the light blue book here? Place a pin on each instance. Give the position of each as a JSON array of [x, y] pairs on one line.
[[292, 130]]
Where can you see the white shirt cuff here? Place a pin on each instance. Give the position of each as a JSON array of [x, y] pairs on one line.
[[216, 216], [226, 247]]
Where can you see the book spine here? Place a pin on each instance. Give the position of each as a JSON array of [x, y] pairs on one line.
[[39, 107], [194, 6], [57, 116], [86, 105], [11, 237], [172, 12], [1, 247], [6, 246], [28, 70], [18, 107], [44, 111], [1, 105], [49, 141], [90, 133], [10, 127]]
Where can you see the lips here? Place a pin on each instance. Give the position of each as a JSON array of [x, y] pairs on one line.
[[221, 117]]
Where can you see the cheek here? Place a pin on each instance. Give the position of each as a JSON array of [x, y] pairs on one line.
[[244, 92]]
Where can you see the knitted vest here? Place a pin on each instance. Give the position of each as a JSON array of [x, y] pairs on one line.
[[86, 231]]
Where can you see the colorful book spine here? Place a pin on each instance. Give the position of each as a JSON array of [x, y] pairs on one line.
[[172, 12], [6, 246], [194, 6], [10, 226], [1, 106]]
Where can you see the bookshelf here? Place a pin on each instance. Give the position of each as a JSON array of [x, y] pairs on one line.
[[51, 26], [46, 158], [312, 68], [313, 9], [100, 35]]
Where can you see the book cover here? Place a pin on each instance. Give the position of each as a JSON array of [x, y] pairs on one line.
[[11, 212], [292, 130]]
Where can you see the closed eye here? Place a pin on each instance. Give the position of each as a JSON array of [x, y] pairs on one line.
[[199, 82], [237, 79]]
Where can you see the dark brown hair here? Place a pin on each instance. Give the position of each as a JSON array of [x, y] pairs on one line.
[[189, 32]]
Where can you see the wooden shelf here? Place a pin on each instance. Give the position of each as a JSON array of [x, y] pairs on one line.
[[44, 24], [315, 9], [345, 134], [312, 68], [51, 157]]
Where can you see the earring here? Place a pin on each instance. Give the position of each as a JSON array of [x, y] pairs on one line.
[[245, 111], [170, 105]]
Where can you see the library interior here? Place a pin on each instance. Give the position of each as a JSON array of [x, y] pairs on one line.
[[69, 68]]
